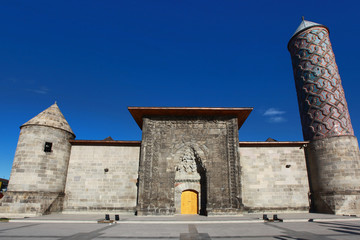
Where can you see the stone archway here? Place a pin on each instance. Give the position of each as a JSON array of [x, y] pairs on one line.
[[190, 175]]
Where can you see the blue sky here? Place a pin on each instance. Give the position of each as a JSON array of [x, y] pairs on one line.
[[96, 58]]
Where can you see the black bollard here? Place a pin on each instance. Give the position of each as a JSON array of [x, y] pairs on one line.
[[275, 218]]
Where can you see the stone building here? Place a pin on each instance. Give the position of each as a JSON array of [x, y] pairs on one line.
[[190, 160]]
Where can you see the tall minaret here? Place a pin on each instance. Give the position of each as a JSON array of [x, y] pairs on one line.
[[333, 157]]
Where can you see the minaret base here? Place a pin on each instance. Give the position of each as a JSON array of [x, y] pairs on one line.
[[20, 204], [334, 174], [338, 203]]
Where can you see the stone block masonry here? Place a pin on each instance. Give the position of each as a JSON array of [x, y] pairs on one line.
[[274, 178], [214, 143], [334, 165], [37, 178], [43, 171], [102, 179]]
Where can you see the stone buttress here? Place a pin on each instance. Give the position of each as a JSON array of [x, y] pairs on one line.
[[333, 159], [38, 175]]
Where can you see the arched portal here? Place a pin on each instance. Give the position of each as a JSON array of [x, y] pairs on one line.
[[190, 175], [189, 202]]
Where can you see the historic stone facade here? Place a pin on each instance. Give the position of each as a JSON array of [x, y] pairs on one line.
[[199, 150], [190, 160], [40, 165]]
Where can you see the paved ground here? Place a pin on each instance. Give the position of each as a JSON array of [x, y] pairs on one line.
[[250, 226]]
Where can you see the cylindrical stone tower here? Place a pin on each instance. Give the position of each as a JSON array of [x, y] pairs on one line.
[[333, 158], [40, 165]]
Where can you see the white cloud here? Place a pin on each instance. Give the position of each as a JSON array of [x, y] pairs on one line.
[[41, 90], [277, 119], [273, 112], [275, 115]]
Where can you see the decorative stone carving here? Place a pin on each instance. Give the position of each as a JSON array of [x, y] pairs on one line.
[[187, 162], [189, 167], [199, 152]]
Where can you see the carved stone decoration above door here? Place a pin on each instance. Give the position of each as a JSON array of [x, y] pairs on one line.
[[187, 168], [188, 176]]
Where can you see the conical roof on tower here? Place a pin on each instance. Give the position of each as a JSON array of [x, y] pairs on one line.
[[304, 25], [50, 117]]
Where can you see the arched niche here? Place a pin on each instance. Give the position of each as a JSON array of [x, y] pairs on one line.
[[190, 175]]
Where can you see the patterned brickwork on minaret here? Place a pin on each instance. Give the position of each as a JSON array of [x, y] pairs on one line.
[[332, 156], [322, 104]]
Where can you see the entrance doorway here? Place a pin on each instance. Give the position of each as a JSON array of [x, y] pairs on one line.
[[189, 202]]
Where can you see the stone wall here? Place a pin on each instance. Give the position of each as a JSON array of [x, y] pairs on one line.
[[33, 168], [274, 178], [212, 143], [30, 204], [102, 179], [334, 165], [37, 179]]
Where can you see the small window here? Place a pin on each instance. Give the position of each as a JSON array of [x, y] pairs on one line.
[[48, 146]]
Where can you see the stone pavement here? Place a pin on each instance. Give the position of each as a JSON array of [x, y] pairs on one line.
[[246, 218], [248, 226]]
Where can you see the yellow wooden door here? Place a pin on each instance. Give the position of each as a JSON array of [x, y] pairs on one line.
[[189, 202]]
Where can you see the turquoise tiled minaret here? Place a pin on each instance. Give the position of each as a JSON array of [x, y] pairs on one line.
[[333, 157]]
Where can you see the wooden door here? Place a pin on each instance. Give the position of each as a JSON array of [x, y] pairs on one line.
[[189, 202]]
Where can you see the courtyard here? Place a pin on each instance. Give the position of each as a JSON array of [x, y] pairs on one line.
[[249, 226]]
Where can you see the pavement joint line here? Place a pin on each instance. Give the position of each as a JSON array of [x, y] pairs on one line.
[[336, 219], [49, 221], [189, 222], [186, 222]]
